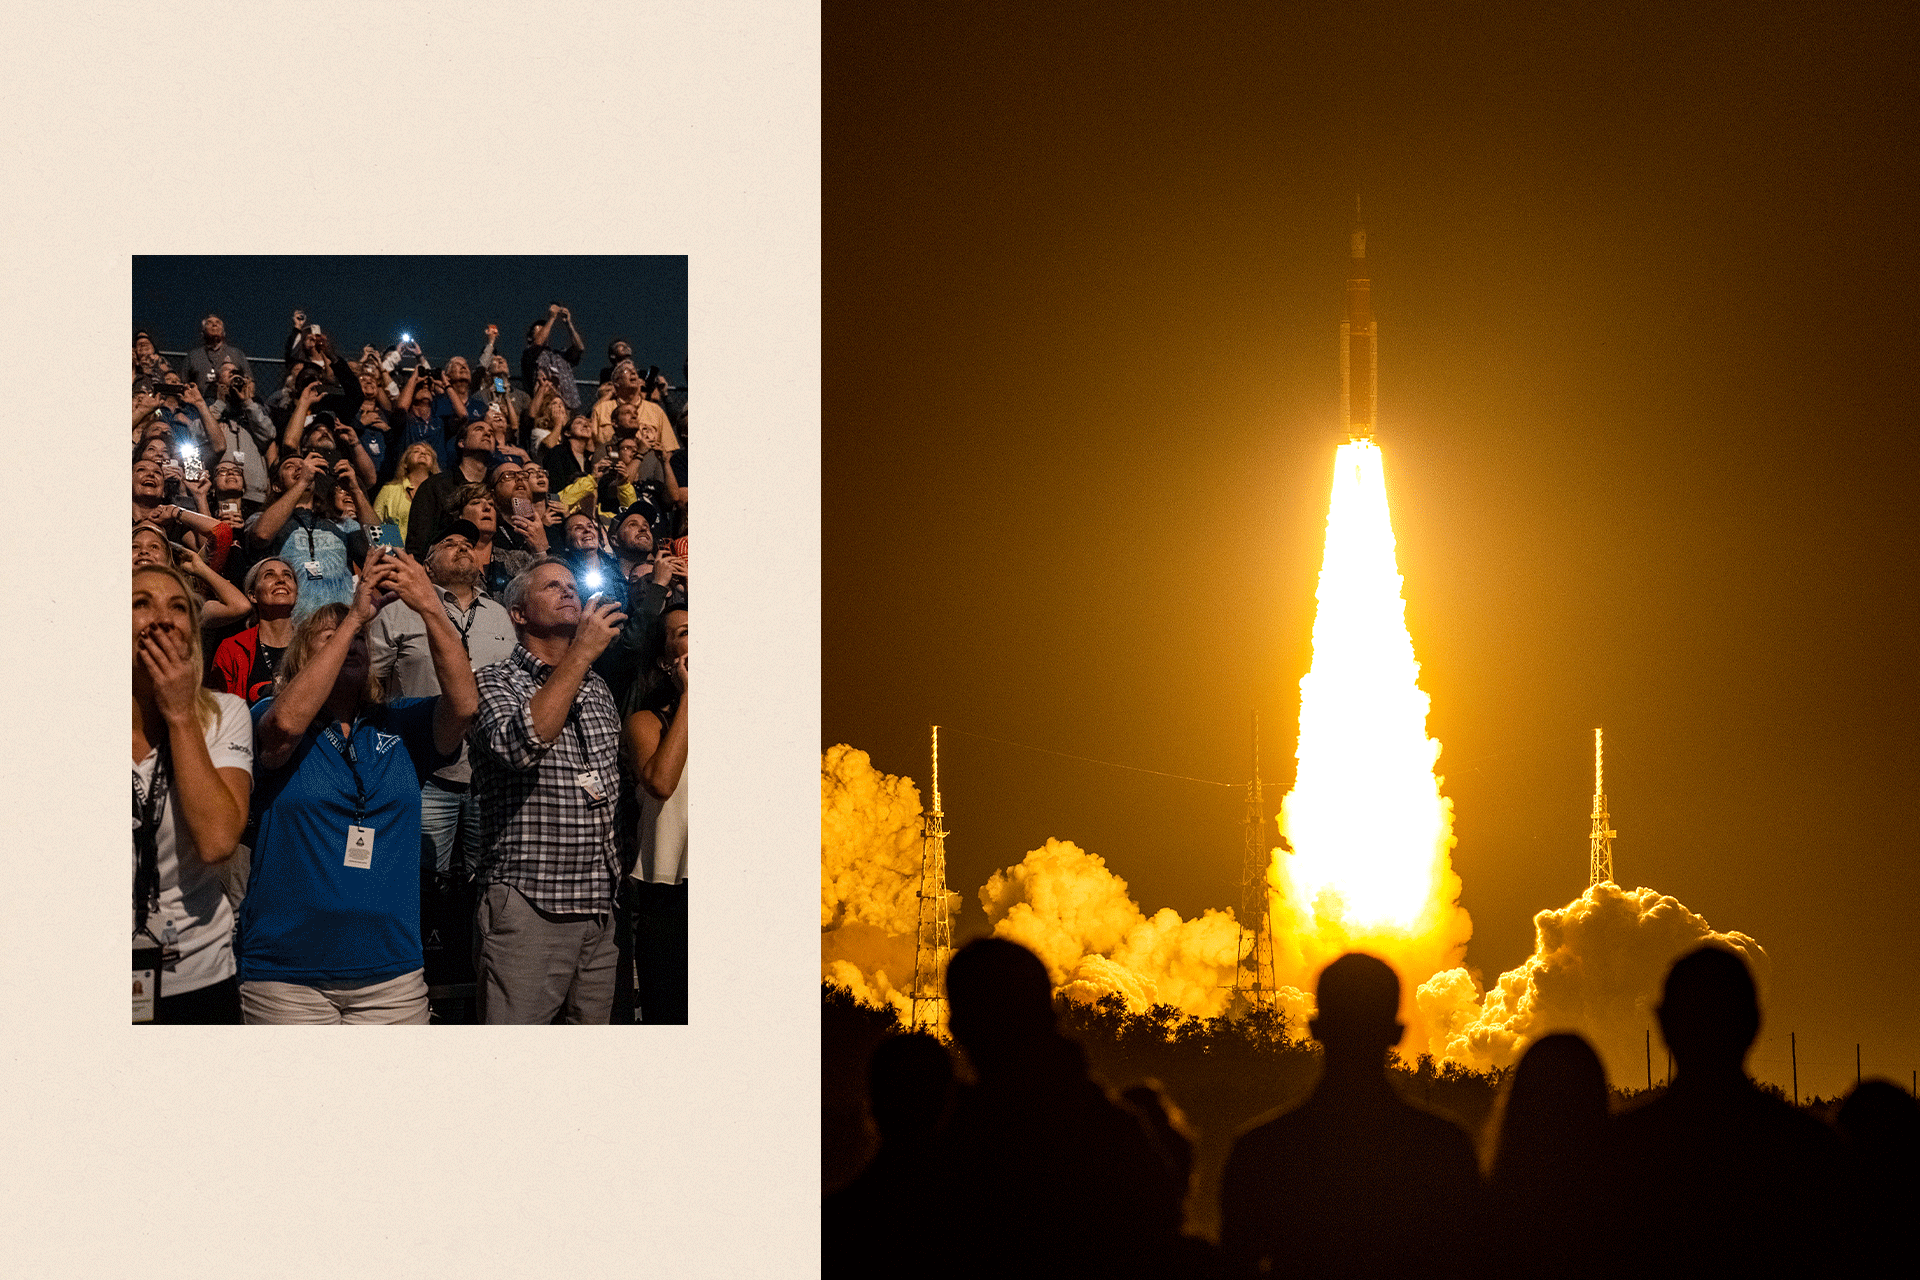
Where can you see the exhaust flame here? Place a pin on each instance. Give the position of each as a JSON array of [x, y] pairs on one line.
[[1370, 866]]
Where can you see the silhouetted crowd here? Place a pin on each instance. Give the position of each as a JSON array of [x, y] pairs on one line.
[[409, 683], [1031, 1168]]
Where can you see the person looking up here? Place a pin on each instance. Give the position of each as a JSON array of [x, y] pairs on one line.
[[596, 571], [869, 1224], [1353, 1181], [1552, 1170], [569, 455], [630, 391], [246, 663], [403, 662], [1035, 1130], [558, 363], [323, 553], [192, 777], [148, 363], [249, 431], [204, 361], [546, 774], [1718, 1176], [433, 507], [655, 743], [330, 926], [394, 503]]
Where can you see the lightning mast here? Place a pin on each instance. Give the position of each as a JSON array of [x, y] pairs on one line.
[[1600, 843], [934, 942], [1254, 919]]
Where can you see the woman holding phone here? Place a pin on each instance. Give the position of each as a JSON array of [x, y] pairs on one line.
[[192, 775], [654, 740], [330, 928]]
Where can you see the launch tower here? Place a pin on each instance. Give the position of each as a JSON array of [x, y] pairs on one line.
[[1254, 919], [1359, 345], [1600, 843], [934, 942]]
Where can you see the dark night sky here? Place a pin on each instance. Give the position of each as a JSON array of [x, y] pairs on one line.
[[1645, 288], [445, 302]]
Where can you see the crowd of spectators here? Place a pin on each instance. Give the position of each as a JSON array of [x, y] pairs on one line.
[[1031, 1168], [410, 644]]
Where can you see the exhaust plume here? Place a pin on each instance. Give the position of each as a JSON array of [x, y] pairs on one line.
[[1370, 865], [1066, 907], [870, 843], [1597, 968]]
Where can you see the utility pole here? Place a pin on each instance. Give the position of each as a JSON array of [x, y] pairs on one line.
[[1856, 1064], [1793, 1048], [1649, 1059], [1600, 839], [1254, 919], [933, 944]]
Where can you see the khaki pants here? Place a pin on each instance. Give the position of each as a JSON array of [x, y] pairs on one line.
[[528, 964], [394, 1001]]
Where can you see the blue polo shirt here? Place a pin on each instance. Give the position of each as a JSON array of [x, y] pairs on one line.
[[309, 917]]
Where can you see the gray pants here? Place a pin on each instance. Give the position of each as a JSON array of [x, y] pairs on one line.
[[529, 963]]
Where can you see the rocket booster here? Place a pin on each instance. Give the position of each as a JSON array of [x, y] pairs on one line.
[[1359, 347]]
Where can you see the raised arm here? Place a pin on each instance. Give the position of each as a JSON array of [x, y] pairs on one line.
[[211, 802], [344, 477], [297, 420], [216, 434], [293, 710], [227, 604], [459, 696], [275, 517], [658, 759]]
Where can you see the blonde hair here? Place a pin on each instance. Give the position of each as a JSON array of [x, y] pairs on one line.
[[433, 459], [205, 709], [300, 650]]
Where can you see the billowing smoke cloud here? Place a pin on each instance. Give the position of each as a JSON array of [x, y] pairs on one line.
[[1597, 968], [1076, 915], [869, 877]]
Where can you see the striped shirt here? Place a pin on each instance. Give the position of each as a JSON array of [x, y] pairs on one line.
[[540, 831]]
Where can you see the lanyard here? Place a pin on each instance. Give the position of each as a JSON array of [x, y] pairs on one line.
[[146, 840], [472, 613], [347, 753]]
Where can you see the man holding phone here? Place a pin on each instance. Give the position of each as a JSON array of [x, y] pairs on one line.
[[546, 774], [204, 361]]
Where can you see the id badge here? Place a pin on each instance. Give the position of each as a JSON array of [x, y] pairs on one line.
[[313, 570], [590, 783], [146, 982], [360, 847]]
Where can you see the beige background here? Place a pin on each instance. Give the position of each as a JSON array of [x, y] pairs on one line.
[[470, 1152]]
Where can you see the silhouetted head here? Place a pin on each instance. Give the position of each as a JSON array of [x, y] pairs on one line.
[[1709, 1012], [999, 998], [1555, 1108], [1882, 1121], [1358, 998], [909, 1081]]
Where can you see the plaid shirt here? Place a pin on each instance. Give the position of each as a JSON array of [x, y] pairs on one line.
[[539, 830]]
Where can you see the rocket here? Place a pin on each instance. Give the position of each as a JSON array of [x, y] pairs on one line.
[[1359, 346]]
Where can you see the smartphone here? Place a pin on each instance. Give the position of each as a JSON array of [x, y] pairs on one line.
[[499, 386], [191, 468], [521, 507]]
